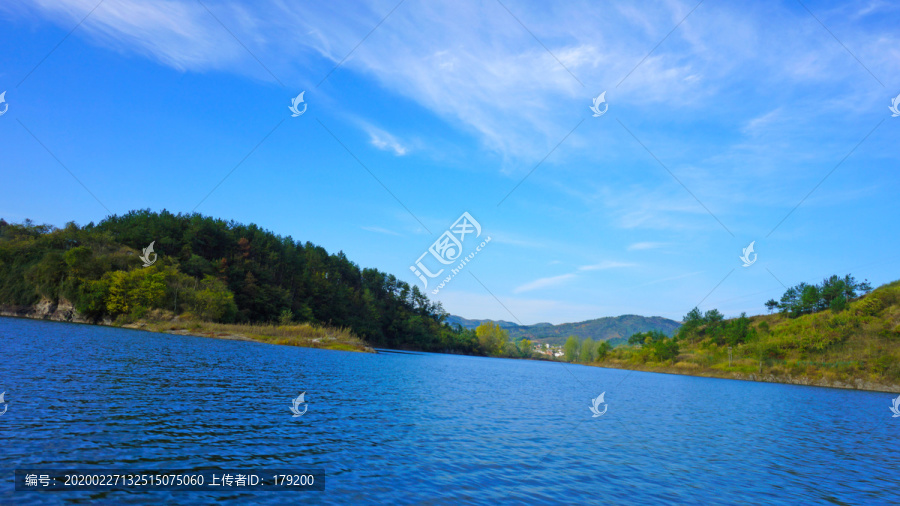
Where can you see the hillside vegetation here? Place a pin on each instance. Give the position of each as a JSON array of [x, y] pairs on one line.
[[210, 270], [811, 340]]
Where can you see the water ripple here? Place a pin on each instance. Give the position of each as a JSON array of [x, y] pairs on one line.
[[425, 429]]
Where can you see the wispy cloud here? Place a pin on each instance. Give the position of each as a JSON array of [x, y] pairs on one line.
[[385, 141], [485, 73], [747, 119], [562, 278], [639, 246], [756, 124], [672, 278], [543, 283], [180, 34]]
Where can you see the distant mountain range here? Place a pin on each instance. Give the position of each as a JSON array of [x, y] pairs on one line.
[[615, 329]]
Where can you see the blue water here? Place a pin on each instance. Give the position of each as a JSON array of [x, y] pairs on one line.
[[425, 428]]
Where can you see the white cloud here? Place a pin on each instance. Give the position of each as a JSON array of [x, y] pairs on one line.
[[543, 283], [666, 207], [754, 126], [645, 245], [606, 264], [485, 73], [557, 280], [180, 34], [385, 141]]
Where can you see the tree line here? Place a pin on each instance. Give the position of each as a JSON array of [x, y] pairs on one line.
[[712, 325], [833, 293], [585, 350]]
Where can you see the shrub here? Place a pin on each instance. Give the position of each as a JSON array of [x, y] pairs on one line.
[[869, 306], [603, 348], [213, 301], [130, 290], [663, 350]]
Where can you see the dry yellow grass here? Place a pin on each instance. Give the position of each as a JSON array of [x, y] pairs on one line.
[[304, 334]]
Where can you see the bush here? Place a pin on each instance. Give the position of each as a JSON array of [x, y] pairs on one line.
[[137, 313], [603, 349], [91, 299], [869, 306], [664, 350], [213, 301]]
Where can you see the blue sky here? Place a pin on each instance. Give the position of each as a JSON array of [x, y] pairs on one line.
[[719, 124]]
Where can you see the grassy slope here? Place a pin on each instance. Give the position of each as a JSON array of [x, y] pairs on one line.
[[304, 334], [859, 344]]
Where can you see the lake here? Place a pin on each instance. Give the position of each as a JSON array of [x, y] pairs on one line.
[[425, 428]]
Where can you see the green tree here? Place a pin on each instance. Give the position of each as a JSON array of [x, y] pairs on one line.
[[713, 316], [47, 275], [134, 291], [664, 350], [810, 299], [264, 274], [492, 338], [570, 349], [91, 299], [694, 317], [525, 347], [738, 330], [690, 323], [588, 351], [838, 303], [78, 261], [637, 339], [213, 301], [603, 349], [834, 292]]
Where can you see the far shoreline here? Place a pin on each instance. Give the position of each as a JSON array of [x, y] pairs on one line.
[[857, 383], [328, 342]]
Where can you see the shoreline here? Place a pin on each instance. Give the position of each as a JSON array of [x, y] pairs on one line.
[[287, 335], [787, 379], [64, 313]]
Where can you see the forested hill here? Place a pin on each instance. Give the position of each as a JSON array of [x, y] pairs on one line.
[[472, 324], [214, 270], [615, 329]]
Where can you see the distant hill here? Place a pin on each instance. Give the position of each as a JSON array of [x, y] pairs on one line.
[[471, 324], [615, 329]]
